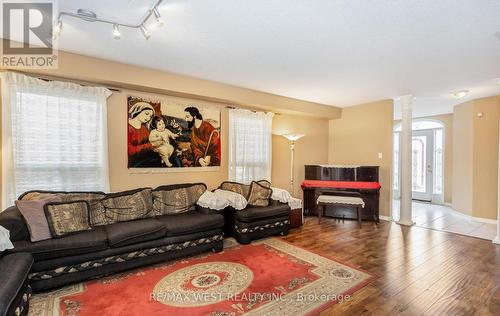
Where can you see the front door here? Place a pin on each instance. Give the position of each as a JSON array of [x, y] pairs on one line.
[[422, 164]]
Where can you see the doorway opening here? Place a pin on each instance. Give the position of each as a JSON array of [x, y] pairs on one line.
[[428, 145]]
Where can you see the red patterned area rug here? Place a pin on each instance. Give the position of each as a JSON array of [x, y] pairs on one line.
[[269, 277]]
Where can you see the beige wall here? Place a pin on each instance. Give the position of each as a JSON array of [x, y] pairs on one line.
[[362, 132], [101, 71], [463, 158], [475, 161], [310, 149], [447, 120], [485, 157], [302, 117]]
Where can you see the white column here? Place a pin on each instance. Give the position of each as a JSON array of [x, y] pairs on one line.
[[496, 240], [405, 212]]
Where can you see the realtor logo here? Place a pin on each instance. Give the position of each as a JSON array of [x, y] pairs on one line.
[[27, 41]]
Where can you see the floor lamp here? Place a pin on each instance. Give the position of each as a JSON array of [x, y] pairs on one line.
[[292, 138]]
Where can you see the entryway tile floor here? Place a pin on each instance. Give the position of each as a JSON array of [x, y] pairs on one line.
[[444, 218]]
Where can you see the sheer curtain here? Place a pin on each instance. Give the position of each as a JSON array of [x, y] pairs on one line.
[[250, 145], [54, 136]]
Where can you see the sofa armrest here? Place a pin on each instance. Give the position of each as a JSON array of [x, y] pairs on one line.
[[14, 269], [14, 222]]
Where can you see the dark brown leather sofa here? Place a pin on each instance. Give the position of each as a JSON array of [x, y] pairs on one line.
[[254, 222], [116, 247], [14, 287]]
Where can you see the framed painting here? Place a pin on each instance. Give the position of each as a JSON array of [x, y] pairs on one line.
[[173, 133]]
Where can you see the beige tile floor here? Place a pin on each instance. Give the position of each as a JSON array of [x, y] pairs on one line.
[[443, 218]]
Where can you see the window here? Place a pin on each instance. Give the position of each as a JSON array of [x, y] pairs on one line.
[[54, 136], [249, 145]]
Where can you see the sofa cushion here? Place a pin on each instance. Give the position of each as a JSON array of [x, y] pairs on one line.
[[33, 214], [134, 232], [252, 214], [243, 189], [66, 196], [128, 205], [66, 218], [14, 269], [85, 242], [259, 195], [174, 200], [190, 222]]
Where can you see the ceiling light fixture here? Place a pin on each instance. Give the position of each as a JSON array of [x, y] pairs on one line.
[[460, 94], [116, 32], [90, 16]]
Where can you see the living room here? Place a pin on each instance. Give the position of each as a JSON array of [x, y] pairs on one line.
[[168, 158]]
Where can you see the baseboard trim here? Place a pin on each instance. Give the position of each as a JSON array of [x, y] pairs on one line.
[[385, 218], [475, 219]]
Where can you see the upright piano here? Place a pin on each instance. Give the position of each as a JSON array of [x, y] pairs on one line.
[[360, 181]]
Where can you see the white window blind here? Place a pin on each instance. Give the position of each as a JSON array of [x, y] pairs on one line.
[[54, 136], [250, 145]]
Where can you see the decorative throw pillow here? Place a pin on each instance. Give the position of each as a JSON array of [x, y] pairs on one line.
[[65, 196], [212, 201], [259, 195], [265, 183], [176, 201], [34, 216], [97, 213], [66, 218], [240, 188], [128, 205], [235, 200]]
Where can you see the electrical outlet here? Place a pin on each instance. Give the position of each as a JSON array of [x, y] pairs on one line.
[[380, 155]]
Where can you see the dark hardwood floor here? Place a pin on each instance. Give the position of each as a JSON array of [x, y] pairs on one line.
[[419, 271]]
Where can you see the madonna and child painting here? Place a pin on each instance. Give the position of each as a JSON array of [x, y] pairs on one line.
[[173, 133]]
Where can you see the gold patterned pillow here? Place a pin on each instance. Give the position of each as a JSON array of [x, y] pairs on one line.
[[66, 218], [97, 213], [240, 188], [265, 183], [65, 196], [176, 200], [259, 195], [128, 205]]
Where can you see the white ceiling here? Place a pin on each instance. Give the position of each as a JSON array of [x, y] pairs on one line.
[[336, 52]]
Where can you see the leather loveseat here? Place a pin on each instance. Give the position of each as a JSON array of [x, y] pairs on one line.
[[109, 248], [263, 218]]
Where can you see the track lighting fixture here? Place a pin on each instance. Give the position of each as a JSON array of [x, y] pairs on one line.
[[56, 30], [116, 32], [89, 16], [145, 32], [159, 21]]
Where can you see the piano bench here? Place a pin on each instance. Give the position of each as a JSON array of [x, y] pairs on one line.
[[346, 201]]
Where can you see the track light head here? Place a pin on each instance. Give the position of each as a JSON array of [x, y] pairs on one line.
[[145, 32], [159, 21], [116, 32], [56, 30]]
